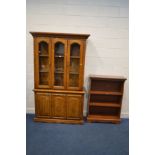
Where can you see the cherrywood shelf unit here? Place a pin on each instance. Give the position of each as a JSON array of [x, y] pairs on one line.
[[59, 60], [105, 98]]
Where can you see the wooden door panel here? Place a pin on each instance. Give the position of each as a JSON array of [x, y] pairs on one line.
[[59, 54], [59, 105], [42, 103], [75, 63], [74, 107], [42, 65]]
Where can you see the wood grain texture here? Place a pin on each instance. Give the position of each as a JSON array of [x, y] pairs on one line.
[[37, 41], [107, 77], [64, 42], [42, 103], [105, 98], [59, 100], [80, 81], [59, 106], [74, 107], [60, 91], [51, 120], [60, 35], [95, 118]]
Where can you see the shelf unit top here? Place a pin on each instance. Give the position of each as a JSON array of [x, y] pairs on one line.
[[60, 35], [107, 77]]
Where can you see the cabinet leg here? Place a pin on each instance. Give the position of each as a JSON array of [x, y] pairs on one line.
[[89, 121], [116, 122]]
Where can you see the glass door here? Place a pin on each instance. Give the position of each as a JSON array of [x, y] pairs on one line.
[[59, 47], [75, 51], [43, 63]]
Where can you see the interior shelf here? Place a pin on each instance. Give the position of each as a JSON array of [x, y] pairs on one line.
[[59, 72], [74, 72], [101, 118], [105, 92], [105, 104], [77, 57], [44, 70], [59, 56], [43, 55]]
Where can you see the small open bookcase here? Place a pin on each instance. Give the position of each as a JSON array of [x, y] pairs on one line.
[[105, 98]]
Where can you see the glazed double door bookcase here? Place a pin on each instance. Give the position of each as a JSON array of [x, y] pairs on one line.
[[60, 63], [58, 76]]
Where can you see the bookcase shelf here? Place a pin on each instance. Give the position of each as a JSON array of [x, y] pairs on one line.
[[105, 118], [104, 104], [105, 98], [43, 55], [105, 92]]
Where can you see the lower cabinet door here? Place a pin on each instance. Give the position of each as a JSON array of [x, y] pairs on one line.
[[42, 104], [59, 106], [74, 106]]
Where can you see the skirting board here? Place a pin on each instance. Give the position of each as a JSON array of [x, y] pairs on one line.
[[124, 115], [32, 111]]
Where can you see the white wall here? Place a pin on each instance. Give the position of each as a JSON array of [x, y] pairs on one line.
[[105, 20]]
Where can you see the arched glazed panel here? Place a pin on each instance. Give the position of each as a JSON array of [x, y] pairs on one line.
[[43, 48], [74, 65], [43, 63], [59, 50]]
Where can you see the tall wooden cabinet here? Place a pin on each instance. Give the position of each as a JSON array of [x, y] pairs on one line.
[[58, 75]]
